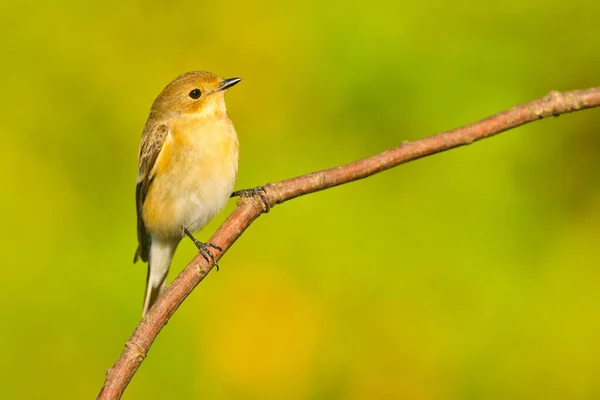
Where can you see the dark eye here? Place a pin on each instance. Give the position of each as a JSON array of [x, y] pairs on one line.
[[195, 94]]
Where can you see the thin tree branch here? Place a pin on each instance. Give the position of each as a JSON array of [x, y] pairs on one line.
[[249, 209]]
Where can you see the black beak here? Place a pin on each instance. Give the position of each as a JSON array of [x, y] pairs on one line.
[[227, 83]]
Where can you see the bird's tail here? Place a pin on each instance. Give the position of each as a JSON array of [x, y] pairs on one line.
[[159, 260]]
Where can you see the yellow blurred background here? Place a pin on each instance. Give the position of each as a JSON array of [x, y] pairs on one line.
[[472, 274]]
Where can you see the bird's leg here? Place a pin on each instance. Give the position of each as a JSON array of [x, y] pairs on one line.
[[257, 191], [203, 248]]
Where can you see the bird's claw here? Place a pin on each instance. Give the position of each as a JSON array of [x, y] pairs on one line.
[[257, 191], [203, 249]]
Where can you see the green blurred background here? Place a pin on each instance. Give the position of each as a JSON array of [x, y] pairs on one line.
[[472, 274]]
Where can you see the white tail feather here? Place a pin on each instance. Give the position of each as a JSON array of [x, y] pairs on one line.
[[159, 260]]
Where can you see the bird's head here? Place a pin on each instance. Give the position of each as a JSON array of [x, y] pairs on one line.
[[194, 93]]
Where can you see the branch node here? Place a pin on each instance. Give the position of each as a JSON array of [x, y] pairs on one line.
[[200, 268], [140, 353]]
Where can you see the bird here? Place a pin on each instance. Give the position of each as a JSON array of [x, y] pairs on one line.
[[187, 167]]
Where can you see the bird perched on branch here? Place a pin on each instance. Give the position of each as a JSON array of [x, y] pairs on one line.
[[188, 161]]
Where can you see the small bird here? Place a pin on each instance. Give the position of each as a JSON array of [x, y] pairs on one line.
[[188, 161]]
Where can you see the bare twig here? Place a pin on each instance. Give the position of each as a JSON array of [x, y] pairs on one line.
[[249, 209]]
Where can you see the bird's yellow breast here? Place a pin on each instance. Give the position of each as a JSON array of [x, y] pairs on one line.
[[194, 176]]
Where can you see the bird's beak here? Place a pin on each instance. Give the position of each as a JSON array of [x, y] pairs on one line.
[[227, 83]]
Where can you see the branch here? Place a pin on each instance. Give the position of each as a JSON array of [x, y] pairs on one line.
[[248, 209]]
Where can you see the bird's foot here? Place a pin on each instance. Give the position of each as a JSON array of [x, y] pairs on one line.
[[257, 191], [203, 249]]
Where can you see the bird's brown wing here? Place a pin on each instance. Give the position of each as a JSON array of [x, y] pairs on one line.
[[153, 139]]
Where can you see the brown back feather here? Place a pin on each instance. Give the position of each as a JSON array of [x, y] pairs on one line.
[[153, 139]]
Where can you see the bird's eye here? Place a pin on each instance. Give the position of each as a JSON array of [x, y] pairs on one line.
[[195, 94]]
